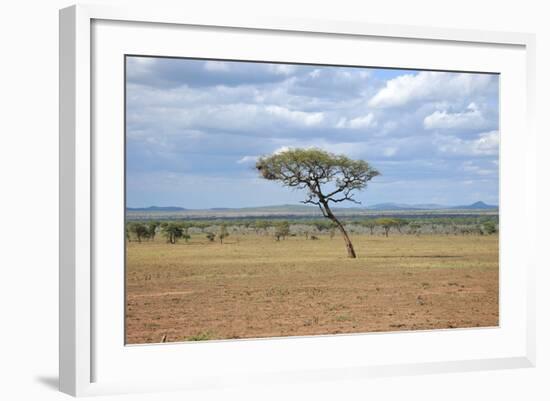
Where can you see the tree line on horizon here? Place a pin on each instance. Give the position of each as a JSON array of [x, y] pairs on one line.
[[280, 229]]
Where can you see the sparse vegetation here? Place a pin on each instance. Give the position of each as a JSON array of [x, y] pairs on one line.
[[489, 227], [282, 230], [173, 230]]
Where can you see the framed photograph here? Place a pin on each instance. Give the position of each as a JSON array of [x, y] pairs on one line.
[[278, 200]]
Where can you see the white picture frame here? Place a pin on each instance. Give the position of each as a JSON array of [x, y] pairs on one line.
[[88, 358]]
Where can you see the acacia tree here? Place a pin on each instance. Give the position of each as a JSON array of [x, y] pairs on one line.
[[415, 228], [223, 232], [139, 230], [400, 223], [327, 178], [387, 224], [282, 229], [261, 226], [370, 224], [152, 229], [172, 232], [489, 227]]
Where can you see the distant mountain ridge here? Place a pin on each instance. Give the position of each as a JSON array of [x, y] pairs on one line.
[[479, 205], [380, 206], [156, 209]]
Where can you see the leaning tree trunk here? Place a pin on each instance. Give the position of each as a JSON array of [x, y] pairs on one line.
[[349, 245]]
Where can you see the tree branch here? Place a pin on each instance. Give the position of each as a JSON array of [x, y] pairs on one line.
[[345, 198]]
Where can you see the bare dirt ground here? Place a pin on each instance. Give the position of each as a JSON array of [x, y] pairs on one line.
[[253, 286]]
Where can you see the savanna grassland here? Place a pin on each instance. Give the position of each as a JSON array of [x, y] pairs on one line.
[[254, 286]]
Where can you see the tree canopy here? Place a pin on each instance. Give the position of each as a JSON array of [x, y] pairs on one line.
[[312, 169]]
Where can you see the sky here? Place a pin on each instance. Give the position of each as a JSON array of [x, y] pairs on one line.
[[194, 129]]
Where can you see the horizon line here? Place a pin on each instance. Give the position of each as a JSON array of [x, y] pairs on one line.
[[312, 206]]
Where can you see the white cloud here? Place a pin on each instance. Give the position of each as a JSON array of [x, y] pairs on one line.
[[470, 118], [351, 149], [428, 85], [486, 144], [176, 111], [247, 159], [300, 117], [253, 159], [281, 149], [365, 121]]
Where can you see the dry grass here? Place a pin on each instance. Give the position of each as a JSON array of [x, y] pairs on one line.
[[253, 286]]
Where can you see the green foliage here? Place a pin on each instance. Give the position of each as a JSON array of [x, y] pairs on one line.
[[282, 229], [324, 225], [414, 228], [489, 227], [210, 237], [186, 225], [401, 223], [152, 229], [201, 225], [309, 168], [142, 230], [139, 230], [387, 223], [261, 226], [172, 231], [370, 224]]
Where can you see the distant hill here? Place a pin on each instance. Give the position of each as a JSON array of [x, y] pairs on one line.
[[398, 206], [156, 209], [430, 206], [309, 211], [477, 206], [404, 206], [280, 208]]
